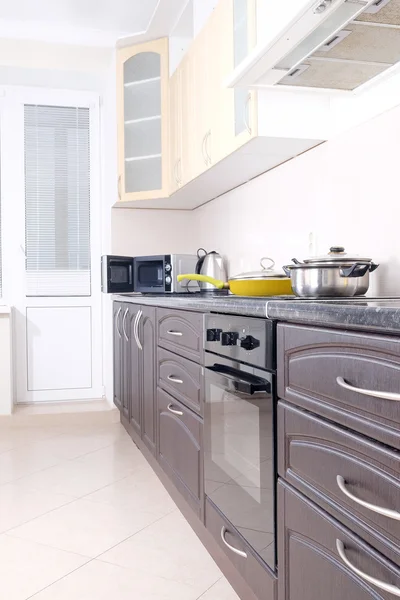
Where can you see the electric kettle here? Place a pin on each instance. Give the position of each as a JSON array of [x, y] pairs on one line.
[[212, 265]]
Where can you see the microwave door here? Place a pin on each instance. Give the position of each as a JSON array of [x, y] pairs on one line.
[[117, 275]]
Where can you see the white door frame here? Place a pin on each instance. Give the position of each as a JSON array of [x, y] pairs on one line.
[[12, 100]]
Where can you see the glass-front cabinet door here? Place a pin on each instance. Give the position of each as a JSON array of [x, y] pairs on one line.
[[244, 40], [143, 121]]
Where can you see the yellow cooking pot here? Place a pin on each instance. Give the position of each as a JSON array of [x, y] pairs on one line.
[[258, 283]]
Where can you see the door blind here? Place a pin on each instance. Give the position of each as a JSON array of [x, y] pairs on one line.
[[57, 201]]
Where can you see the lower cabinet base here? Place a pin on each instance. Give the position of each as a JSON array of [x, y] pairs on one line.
[[229, 570]]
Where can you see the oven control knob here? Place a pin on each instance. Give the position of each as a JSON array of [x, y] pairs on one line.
[[168, 280], [229, 338], [249, 342], [214, 335], [168, 268]]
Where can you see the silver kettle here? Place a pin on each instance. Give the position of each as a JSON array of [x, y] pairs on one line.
[[212, 265]]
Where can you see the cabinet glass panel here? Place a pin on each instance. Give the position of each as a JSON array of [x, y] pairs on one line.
[[142, 122]]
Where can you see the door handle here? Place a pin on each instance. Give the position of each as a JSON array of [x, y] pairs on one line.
[[174, 379], [116, 322], [175, 333], [247, 106], [386, 512], [136, 329], [123, 324], [241, 553], [119, 187], [203, 150], [208, 135], [387, 587], [384, 395], [173, 411]]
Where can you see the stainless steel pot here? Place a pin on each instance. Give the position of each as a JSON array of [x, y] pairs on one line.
[[327, 280], [338, 256]]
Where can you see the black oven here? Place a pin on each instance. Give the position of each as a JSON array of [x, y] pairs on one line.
[[117, 274], [240, 429]]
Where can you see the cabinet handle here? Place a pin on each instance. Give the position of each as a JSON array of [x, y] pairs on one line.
[[384, 395], [175, 173], [174, 412], [386, 512], [246, 106], [208, 157], [175, 333], [203, 149], [136, 329], [123, 324], [174, 379], [235, 550], [116, 322], [179, 171], [119, 187], [387, 587]]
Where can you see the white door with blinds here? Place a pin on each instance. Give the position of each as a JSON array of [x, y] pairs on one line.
[[58, 318]]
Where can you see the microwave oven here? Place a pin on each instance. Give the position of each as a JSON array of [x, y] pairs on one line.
[[147, 274]]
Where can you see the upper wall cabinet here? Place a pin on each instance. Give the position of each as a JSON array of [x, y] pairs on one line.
[[143, 121]]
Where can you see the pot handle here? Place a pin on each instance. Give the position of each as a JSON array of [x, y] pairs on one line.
[[296, 262], [287, 272], [195, 277], [356, 270], [373, 267]]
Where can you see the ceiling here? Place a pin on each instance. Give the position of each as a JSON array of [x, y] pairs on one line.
[[90, 22]]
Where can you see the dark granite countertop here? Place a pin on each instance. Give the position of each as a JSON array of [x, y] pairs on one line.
[[380, 315]]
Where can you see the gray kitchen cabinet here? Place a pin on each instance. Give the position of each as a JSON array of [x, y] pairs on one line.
[[133, 371], [118, 366], [147, 377], [181, 378], [179, 448], [181, 332], [319, 558]]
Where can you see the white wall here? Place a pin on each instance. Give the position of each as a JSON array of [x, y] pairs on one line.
[[344, 192], [142, 232]]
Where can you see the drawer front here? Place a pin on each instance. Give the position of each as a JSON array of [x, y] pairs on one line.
[[313, 454], [181, 332], [311, 362], [313, 551], [179, 448], [182, 378], [257, 575]]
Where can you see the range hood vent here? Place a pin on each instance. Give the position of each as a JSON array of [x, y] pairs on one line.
[[332, 44]]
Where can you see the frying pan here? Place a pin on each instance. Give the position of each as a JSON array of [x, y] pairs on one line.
[[257, 283]]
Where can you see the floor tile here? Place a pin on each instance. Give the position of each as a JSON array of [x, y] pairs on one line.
[[221, 590], [24, 460], [83, 527], [101, 581], [169, 548], [140, 491], [27, 567], [19, 504], [89, 473]]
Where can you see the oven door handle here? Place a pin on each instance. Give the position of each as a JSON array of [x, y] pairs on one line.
[[240, 381]]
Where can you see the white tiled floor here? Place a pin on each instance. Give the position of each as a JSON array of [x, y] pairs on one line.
[[83, 517]]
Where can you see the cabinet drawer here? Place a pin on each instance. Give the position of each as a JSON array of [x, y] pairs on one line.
[[313, 454], [181, 332], [182, 378], [311, 362], [310, 561], [257, 575], [179, 448]]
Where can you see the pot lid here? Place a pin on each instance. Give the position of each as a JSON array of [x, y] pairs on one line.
[[267, 272], [337, 254]]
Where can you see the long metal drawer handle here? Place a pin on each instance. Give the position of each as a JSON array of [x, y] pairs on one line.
[[116, 322], [174, 379], [174, 412], [387, 512], [123, 324], [136, 329], [384, 395], [387, 587], [224, 531], [176, 333]]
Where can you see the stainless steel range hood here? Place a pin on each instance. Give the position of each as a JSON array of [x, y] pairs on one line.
[[332, 44]]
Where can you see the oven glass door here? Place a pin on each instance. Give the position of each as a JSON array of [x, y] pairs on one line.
[[239, 460], [150, 274]]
